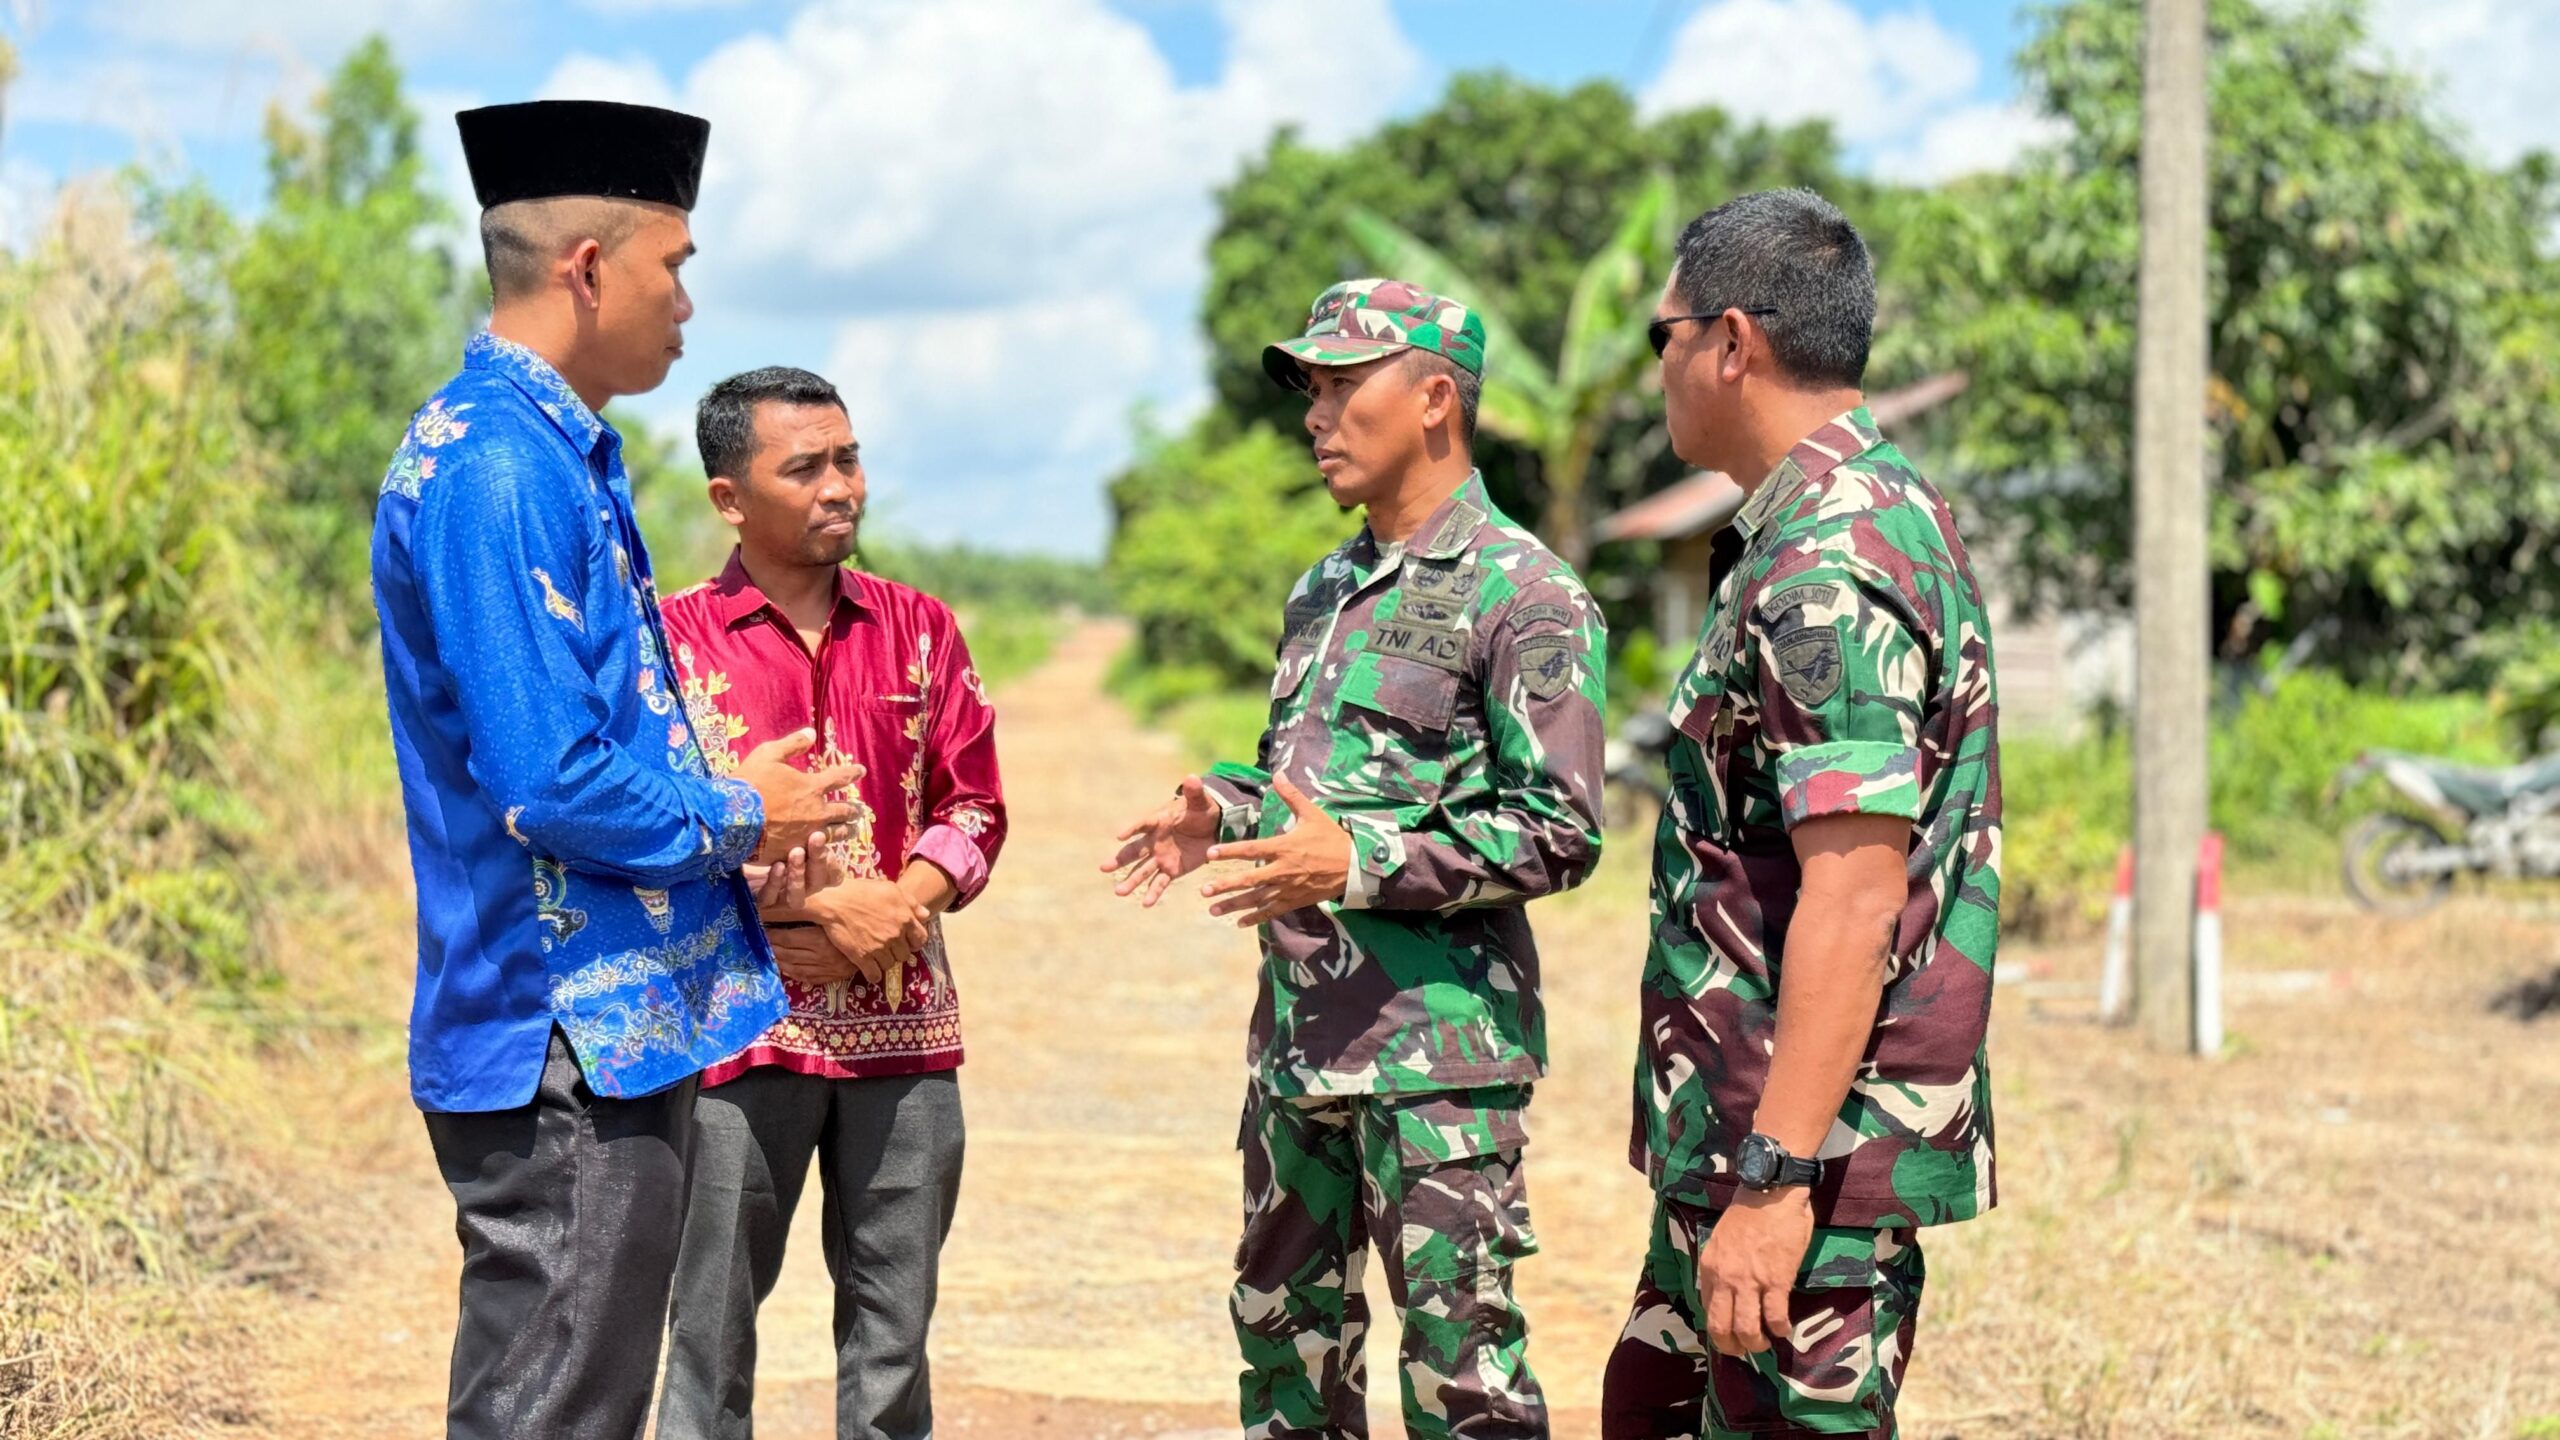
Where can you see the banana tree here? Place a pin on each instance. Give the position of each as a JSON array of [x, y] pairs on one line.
[[1556, 408]]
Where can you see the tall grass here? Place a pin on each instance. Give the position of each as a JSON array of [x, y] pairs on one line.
[[128, 484]]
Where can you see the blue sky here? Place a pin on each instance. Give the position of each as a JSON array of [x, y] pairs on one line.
[[983, 218]]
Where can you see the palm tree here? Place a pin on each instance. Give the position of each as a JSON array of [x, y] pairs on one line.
[[1557, 409]]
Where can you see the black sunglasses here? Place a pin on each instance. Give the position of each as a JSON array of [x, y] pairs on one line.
[[1658, 333]]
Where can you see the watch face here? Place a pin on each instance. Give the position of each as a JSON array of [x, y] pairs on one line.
[[1756, 1163]]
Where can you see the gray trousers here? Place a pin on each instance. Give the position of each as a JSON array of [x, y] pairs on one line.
[[568, 1208], [888, 1153]]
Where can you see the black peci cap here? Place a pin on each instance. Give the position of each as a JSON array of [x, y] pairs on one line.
[[543, 148]]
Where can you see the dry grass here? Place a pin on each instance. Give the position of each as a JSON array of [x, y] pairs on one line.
[[2342, 1228]]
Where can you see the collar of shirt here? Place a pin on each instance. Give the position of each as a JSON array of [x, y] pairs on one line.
[[1446, 532], [737, 599], [1813, 457], [543, 385]]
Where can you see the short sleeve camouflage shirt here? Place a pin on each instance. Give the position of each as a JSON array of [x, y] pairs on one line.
[[1441, 700], [1844, 668]]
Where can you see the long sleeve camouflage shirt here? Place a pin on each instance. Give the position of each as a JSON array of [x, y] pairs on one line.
[[1441, 700], [1844, 668]]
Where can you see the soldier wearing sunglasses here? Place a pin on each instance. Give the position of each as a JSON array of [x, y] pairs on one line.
[[1811, 1083]]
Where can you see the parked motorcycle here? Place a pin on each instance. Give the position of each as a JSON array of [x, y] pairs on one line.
[[2503, 822], [1633, 769]]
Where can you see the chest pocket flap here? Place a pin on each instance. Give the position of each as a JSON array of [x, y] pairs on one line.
[[1419, 693]]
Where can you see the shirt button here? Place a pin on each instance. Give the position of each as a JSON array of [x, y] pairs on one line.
[[1378, 854]]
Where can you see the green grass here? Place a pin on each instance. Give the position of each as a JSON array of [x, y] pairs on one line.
[[2068, 804]]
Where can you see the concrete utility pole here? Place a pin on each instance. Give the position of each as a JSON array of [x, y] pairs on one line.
[[2171, 584]]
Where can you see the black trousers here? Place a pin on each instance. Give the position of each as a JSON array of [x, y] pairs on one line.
[[888, 1152], [569, 1209]]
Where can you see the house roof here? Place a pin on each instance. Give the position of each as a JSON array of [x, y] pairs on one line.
[[1709, 498]]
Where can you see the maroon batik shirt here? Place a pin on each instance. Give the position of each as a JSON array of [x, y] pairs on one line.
[[892, 690]]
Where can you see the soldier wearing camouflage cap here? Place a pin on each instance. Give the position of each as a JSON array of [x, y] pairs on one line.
[[1811, 1083], [1432, 761]]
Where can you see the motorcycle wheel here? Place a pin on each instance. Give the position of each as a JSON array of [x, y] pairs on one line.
[[2368, 855]]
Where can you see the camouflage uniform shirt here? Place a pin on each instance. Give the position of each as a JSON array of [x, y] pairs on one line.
[[1844, 668], [1441, 700]]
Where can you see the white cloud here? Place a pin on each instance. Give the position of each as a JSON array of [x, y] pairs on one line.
[[1007, 202], [1899, 89], [1968, 140], [1879, 78], [2490, 58], [995, 422]]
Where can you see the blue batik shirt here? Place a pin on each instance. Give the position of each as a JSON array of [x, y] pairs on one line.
[[577, 862]]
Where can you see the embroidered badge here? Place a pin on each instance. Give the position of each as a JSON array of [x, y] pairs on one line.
[[1441, 580], [1811, 592], [1437, 614], [1808, 663], [1460, 527], [1528, 615], [1720, 645], [1440, 649], [1546, 665]]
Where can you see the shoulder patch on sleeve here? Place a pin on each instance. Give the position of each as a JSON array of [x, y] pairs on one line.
[[1542, 614], [1546, 665], [1808, 660]]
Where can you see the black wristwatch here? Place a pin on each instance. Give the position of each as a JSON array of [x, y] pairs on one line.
[[1761, 1163]]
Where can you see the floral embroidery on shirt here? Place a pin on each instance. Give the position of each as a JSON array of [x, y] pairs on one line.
[[514, 813], [971, 821], [409, 472], [858, 852], [436, 427], [717, 729]]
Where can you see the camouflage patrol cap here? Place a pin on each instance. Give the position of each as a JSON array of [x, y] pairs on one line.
[[1359, 320]]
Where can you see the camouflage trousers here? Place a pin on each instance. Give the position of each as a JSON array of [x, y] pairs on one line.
[[1433, 1182], [1854, 1305]]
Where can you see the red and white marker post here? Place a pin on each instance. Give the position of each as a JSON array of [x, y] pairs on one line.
[[2209, 945], [2115, 977]]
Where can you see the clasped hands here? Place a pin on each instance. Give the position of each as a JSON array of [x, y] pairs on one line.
[[828, 926], [1307, 864]]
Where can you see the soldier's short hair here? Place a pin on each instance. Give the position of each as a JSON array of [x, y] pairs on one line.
[[1791, 252], [1422, 364], [724, 424]]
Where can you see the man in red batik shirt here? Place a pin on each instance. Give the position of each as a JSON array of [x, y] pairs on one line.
[[861, 1073]]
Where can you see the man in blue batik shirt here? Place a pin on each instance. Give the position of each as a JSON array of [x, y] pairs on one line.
[[586, 944]]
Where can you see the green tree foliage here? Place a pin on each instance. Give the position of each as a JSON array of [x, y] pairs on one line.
[[1214, 528], [1514, 186], [1557, 410], [345, 314], [2385, 342]]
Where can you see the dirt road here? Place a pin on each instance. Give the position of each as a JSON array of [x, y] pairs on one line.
[[1084, 1286], [2290, 1240]]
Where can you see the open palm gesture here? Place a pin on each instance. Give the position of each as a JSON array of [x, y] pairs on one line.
[[1165, 844]]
